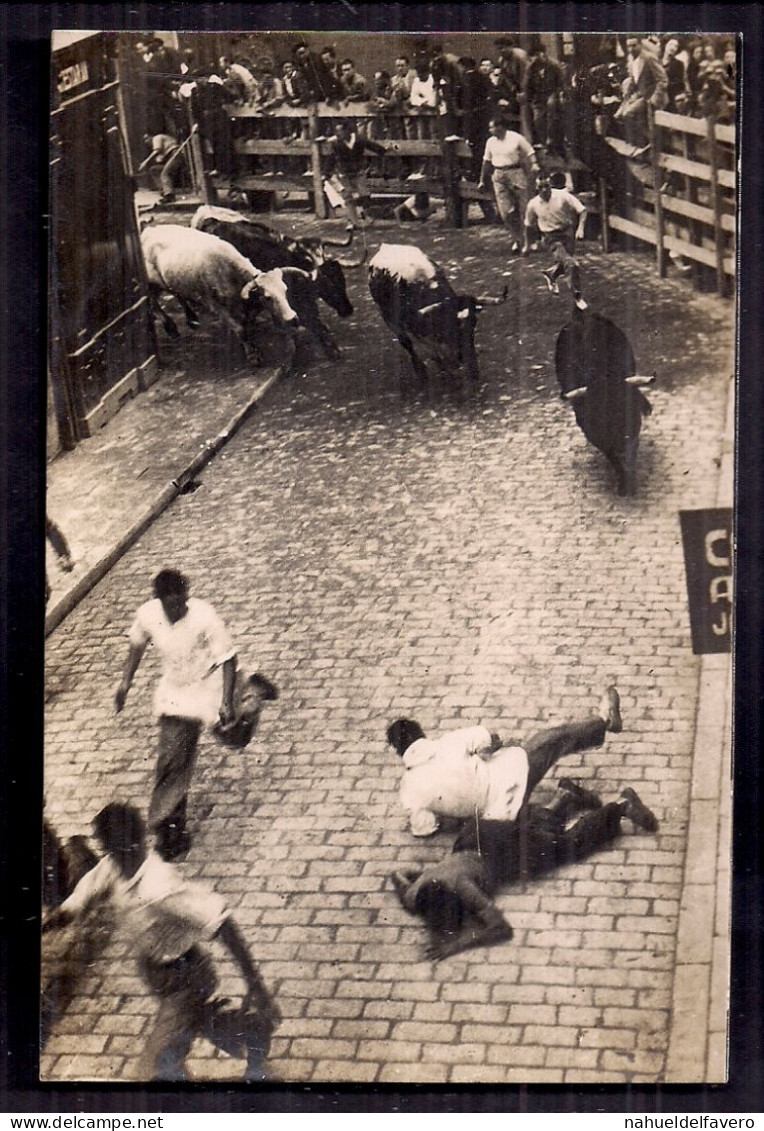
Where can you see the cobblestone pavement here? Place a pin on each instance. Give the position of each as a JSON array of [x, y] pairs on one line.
[[380, 550]]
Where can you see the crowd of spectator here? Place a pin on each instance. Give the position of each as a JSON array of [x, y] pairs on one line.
[[434, 94]]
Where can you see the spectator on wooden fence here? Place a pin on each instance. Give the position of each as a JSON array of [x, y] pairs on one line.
[[476, 112], [240, 82], [354, 86], [162, 71], [381, 104], [694, 78], [296, 92], [401, 82], [329, 59], [716, 98], [448, 81], [645, 85], [209, 101], [507, 153], [513, 63], [543, 87], [423, 100], [270, 89], [677, 91], [322, 85]]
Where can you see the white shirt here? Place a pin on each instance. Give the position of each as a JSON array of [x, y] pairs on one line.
[[508, 151], [166, 915], [423, 92], [456, 776], [554, 214], [193, 651]]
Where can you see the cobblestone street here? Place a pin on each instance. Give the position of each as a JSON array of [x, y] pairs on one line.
[[457, 556]]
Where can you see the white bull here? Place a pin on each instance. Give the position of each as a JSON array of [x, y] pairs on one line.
[[203, 271]]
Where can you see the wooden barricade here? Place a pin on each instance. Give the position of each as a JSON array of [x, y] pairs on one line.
[[687, 205]]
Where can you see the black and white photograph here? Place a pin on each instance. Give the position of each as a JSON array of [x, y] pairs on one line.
[[388, 690]]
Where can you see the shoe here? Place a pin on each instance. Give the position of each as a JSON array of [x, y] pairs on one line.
[[610, 709], [581, 304], [635, 809], [585, 798], [550, 282], [514, 247]]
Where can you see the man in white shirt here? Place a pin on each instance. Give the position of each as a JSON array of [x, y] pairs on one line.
[[167, 919], [196, 690], [506, 156], [560, 219], [471, 772]]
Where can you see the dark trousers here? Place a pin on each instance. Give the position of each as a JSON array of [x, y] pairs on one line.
[[184, 988], [548, 746], [178, 742]]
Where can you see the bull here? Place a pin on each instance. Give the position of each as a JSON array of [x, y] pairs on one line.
[[596, 371], [267, 249], [205, 272], [424, 312]]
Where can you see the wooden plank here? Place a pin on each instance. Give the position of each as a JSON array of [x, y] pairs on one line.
[[681, 123], [264, 183], [689, 250], [660, 227], [726, 134], [716, 201], [697, 170], [280, 147], [689, 210]]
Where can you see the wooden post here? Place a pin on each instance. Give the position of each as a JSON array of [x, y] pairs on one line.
[[451, 184], [660, 226], [202, 183], [716, 202], [315, 164], [604, 229]]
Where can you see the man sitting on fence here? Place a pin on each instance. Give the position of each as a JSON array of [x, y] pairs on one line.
[[342, 169], [647, 84]]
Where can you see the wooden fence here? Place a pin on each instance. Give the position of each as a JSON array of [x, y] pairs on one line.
[[269, 164], [685, 202]]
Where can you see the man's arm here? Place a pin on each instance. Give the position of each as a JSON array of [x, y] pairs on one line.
[[134, 657], [229, 683], [257, 994], [485, 171], [491, 927]]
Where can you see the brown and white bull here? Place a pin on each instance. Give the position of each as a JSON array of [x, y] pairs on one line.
[[596, 371], [204, 272], [424, 311]]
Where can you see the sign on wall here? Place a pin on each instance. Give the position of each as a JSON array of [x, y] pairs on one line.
[[707, 540]]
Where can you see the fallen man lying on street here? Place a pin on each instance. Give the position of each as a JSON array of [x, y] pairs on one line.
[[472, 771], [454, 897]]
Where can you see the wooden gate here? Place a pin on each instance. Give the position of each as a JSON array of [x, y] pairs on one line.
[[102, 343]]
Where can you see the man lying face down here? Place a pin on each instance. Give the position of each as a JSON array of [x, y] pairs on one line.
[[454, 896]]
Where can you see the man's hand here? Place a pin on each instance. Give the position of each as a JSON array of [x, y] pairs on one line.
[[120, 696]]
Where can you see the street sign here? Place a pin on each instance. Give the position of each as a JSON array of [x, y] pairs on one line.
[[707, 540]]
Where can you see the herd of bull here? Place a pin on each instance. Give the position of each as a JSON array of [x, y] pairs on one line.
[[238, 268]]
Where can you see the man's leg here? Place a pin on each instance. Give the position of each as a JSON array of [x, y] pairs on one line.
[[519, 190], [505, 201], [178, 740], [183, 988], [548, 746]]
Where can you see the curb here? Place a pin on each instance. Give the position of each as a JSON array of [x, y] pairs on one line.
[[697, 1048], [163, 500]]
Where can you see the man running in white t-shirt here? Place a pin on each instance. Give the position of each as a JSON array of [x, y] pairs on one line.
[[559, 218]]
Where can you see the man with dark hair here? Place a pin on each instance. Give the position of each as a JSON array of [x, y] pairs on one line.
[[543, 85], [472, 771], [646, 85], [507, 153], [167, 918], [560, 218], [196, 690], [343, 167], [454, 897], [322, 85], [476, 111], [354, 86]]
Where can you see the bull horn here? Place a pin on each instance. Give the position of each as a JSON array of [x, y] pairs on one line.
[[638, 379], [489, 300], [429, 309], [341, 243], [296, 271], [575, 394]]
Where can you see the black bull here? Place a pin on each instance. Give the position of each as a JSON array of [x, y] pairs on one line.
[[431, 316], [596, 373], [266, 248]]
